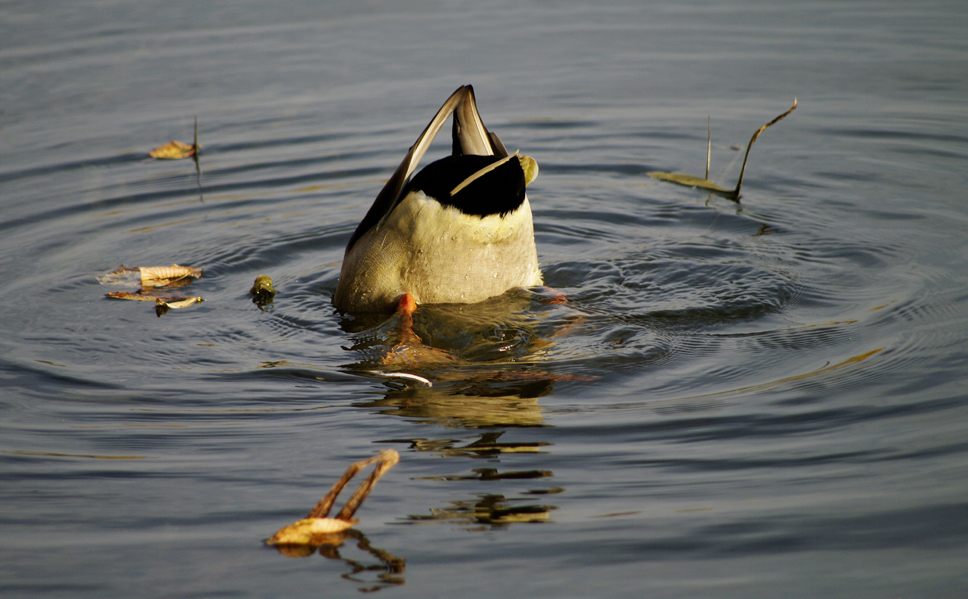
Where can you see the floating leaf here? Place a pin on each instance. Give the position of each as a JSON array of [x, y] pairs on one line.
[[174, 150], [162, 305], [161, 276], [308, 530], [732, 194], [317, 528], [151, 276]]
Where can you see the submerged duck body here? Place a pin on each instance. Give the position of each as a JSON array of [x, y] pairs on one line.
[[460, 231]]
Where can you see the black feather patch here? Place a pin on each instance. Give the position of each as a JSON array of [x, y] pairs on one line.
[[499, 191]]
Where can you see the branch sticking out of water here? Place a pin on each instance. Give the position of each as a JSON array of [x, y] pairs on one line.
[[705, 183]]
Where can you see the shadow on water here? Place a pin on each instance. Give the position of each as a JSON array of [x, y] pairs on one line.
[[494, 365]]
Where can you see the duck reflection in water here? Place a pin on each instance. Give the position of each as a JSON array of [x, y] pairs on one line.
[[494, 385]]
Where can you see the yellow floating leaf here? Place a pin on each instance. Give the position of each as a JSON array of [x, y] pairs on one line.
[[308, 531], [174, 150]]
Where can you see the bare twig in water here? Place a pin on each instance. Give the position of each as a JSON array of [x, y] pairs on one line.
[[705, 183]]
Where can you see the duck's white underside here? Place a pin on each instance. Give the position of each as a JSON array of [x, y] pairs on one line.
[[440, 255]]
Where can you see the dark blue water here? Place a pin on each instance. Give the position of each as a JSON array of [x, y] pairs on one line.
[[738, 400]]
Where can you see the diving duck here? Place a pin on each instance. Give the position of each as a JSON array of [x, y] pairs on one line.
[[460, 231]]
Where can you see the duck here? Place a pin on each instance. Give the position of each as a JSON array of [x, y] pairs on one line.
[[460, 231]]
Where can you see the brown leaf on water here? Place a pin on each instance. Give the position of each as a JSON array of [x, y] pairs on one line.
[[173, 150], [731, 194], [317, 528]]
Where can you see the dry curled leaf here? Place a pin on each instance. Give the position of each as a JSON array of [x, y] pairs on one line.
[[315, 527], [179, 303], [149, 278], [162, 304]]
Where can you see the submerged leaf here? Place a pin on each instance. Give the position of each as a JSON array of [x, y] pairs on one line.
[[122, 275], [160, 276]]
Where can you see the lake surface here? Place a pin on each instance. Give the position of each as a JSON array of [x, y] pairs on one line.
[[763, 399]]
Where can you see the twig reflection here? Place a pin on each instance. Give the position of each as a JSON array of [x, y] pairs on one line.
[[389, 569]]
